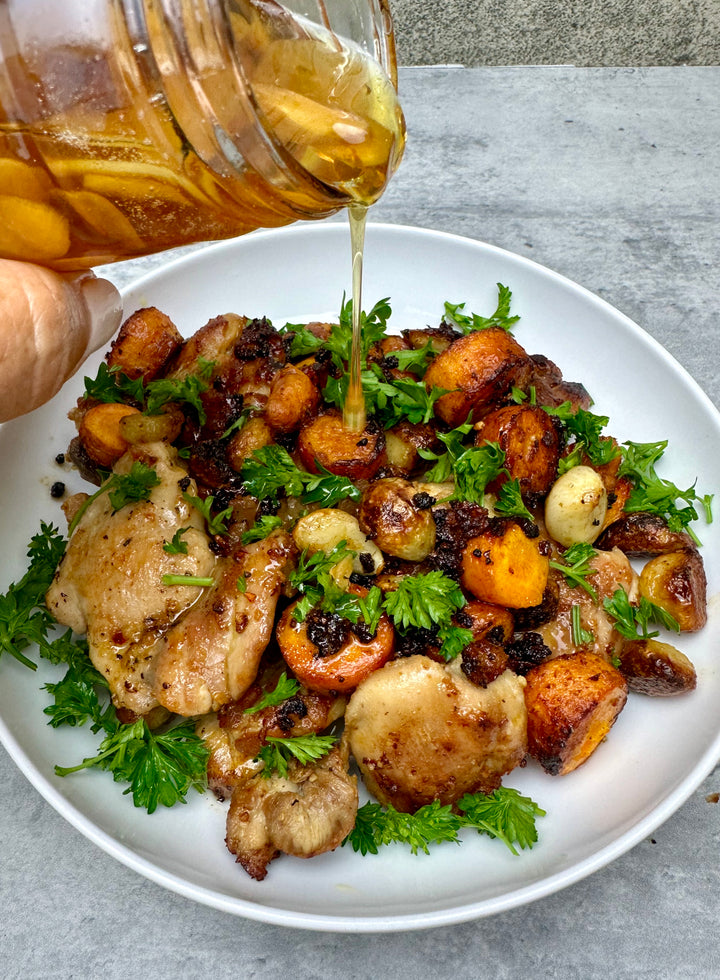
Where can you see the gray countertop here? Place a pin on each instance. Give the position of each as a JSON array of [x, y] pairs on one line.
[[610, 177]]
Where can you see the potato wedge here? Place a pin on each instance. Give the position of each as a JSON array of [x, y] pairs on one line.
[[391, 518], [292, 400], [676, 581], [477, 370], [531, 440], [572, 703], [101, 434], [144, 345], [656, 668], [639, 534]]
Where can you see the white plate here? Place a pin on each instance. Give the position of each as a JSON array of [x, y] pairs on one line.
[[655, 756]]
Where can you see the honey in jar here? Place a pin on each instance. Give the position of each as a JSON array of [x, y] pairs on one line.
[[131, 126]]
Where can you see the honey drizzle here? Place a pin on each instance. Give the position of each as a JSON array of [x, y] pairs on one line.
[[354, 415]]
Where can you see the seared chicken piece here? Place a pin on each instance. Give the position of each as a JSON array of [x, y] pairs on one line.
[[309, 812], [421, 731], [211, 655], [109, 583], [613, 571], [235, 735]]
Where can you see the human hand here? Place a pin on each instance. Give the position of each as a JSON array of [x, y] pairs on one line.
[[49, 324]]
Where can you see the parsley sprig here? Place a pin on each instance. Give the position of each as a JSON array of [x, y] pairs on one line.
[[112, 385], [122, 489], [160, 767], [471, 467], [429, 602], [455, 314], [314, 580], [656, 495], [23, 617], [576, 567], [278, 752], [285, 688], [632, 621], [264, 526], [504, 814], [271, 471], [216, 523], [585, 429]]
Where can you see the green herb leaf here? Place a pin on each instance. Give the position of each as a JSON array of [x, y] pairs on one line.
[[586, 428], [177, 546], [75, 697], [23, 617], [453, 640], [576, 566], [285, 688], [580, 636], [632, 621], [216, 523], [377, 826], [122, 489], [456, 317], [277, 752], [655, 495], [160, 767], [426, 601], [504, 814], [509, 501], [261, 529], [271, 471], [201, 581], [474, 469]]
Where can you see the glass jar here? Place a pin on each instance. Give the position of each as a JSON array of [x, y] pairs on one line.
[[133, 126]]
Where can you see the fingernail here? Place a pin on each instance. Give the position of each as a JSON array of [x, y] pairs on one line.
[[104, 307]]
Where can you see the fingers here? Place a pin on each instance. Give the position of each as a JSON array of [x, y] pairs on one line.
[[48, 325]]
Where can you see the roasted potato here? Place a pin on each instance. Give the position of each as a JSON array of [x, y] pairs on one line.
[[639, 534], [572, 703], [531, 440], [487, 621], [656, 668], [421, 731], [292, 400], [326, 442], [144, 345], [505, 567], [676, 581], [255, 434], [477, 370], [390, 516]]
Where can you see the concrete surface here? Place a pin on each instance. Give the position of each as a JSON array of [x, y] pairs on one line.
[[557, 32], [609, 177]]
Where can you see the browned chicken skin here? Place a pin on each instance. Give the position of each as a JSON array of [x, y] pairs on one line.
[[307, 813], [110, 581]]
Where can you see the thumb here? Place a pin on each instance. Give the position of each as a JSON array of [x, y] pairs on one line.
[[104, 309]]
